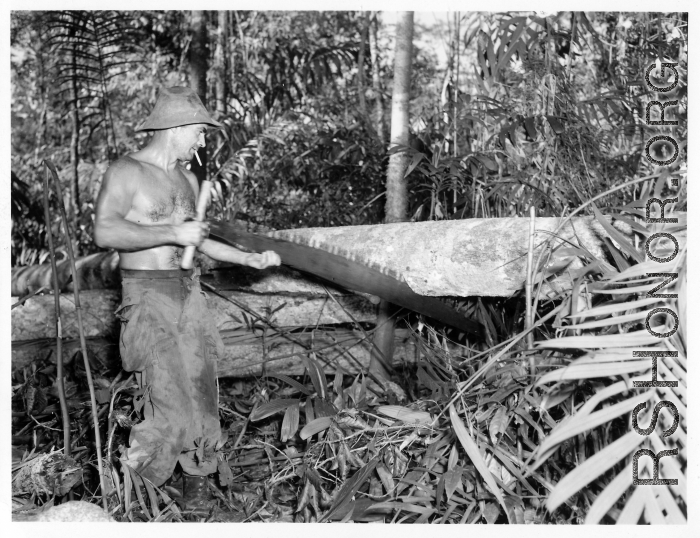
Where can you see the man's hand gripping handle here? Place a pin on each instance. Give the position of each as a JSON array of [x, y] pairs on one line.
[[202, 201]]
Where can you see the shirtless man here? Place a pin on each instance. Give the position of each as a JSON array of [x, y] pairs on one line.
[[168, 336]]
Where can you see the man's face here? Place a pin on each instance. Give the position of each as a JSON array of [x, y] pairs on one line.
[[188, 139]]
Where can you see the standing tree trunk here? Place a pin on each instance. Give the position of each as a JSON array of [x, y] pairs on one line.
[[446, 100], [40, 139], [107, 123], [220, 63], [198, 64], [455, 111], [377, 82], [455, 87], [361, 64], [396, 189], [75, 212]]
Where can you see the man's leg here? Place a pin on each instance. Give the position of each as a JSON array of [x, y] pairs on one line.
[[157, 442], [196, 326], [150, 334]]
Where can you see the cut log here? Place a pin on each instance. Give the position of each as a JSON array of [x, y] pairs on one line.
[[96, 271], [246, 355], [462, 258], [36, 318], [459, 258], [407, 263], [101, 271], [349, 274]]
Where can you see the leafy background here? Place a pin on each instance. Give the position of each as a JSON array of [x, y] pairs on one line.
[[529, 110]]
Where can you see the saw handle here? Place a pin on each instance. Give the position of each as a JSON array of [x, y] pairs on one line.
[[202, 201]]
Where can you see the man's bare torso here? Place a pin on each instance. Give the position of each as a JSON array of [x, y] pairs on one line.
[[159, 198]]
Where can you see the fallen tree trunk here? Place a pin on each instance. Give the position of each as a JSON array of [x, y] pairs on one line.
[[462, 258], [473, 257], [101, 272], [36, 319], [97, 271], [348, 274], [246, 354]]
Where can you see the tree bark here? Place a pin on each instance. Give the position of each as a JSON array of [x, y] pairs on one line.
[[40, 139], [74, 206], [377, 83], [455, 89], [361, 64], [396, 190], [221, 63], [198, 65], [36, 318], [245, 354]]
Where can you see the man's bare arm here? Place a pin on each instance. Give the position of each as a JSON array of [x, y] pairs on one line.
[[112, 230], [226, 253]]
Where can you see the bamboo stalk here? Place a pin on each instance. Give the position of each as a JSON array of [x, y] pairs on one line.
[[65, 416], [83, 346], [574, 20]]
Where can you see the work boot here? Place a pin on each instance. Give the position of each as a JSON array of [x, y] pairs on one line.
[[196, 494], [173, 486]]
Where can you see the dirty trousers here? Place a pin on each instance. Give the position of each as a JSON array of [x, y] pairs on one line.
[[169, 338]]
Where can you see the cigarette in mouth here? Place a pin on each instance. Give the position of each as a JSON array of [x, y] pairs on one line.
[[197, 155]]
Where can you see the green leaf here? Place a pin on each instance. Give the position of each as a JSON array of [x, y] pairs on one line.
[[270, 408], [453, 480], [579, 424], [590, 369], [491, 55], [491, 513], [290, 423], [641, 269], [631, 339], [613, 308], [502, 134], [318, 378], [351, 487], [409, 416], [514, 39], [415, 159], [609, 322], [474, 455], [315, 426], [225, 474], [127, 489], [152, 497], [386, 478], [617, 236], [498, 424], [634, 508], [301, 388], [557, 125], [136, 480], [605, 500], [530, 127], [439, 490], [488, 163], [592, 468]]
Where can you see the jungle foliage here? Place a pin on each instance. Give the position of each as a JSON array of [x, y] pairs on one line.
[[543, 111]]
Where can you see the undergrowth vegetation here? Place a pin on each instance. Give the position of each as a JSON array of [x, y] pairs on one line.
[[530, 424], [480, 439]]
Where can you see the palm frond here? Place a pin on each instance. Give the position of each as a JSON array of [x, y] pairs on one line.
[[614, 326]]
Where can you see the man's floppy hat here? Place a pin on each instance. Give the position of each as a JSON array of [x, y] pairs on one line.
[[175, 107]]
